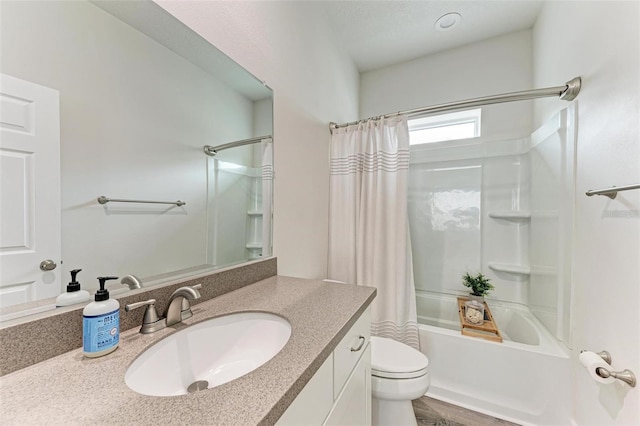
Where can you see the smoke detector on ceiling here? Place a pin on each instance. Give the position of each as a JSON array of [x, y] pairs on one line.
[[448, 21]]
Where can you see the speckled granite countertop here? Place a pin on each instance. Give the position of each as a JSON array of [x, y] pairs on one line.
[[72, 389]]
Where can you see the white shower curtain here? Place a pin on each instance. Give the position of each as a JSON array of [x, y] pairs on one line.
[[267, 194], [368, 223]]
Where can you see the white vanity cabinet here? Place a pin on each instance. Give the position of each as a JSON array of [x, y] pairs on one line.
[[340, 391], [353, 405]]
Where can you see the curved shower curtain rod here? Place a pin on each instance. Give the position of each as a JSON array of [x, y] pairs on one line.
[[568, 92]]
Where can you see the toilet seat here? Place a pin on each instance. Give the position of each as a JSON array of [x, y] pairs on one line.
[[395, 360]]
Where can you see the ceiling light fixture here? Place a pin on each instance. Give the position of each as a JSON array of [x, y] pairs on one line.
[[448, 21]]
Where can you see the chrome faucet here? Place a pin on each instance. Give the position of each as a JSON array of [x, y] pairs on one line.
[[175, 312], [178, 309]]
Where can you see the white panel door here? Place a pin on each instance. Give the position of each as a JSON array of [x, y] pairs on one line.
[[29, 191]]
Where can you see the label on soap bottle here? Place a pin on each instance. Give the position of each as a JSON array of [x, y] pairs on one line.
[[101, 332]]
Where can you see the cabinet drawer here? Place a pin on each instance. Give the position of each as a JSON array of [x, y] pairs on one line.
[[349, 351]]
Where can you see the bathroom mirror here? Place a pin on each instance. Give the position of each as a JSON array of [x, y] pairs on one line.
[[140, 95]]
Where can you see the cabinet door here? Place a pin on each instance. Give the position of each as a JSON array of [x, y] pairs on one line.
[[353, 406], [349, 350], [314, 402]]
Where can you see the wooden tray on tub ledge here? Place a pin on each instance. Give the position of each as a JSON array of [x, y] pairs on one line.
[[487, 330]]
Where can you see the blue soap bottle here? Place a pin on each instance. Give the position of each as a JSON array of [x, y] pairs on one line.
[[101, 323]]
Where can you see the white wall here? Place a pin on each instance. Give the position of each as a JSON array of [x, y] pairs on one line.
[[497, 65], [287, 45], [134, 116], [600, 41]]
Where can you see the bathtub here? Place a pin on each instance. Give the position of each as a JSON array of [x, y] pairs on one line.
[[525, 379]]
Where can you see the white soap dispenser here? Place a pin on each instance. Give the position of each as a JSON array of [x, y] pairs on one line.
[[74, 294], [101, 323]]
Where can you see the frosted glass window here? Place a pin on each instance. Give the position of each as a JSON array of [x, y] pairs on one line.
[[445, 127]]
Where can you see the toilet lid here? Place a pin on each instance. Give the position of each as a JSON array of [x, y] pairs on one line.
[[396, 360]]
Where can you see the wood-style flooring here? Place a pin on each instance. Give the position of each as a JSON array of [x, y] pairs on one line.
[[431, 412]]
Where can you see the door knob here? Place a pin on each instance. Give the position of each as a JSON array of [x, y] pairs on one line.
[[48, 265]]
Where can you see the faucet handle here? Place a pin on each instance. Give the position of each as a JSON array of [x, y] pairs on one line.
[[151, 321], [131, 306]]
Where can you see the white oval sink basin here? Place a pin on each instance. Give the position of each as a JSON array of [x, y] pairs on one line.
[[208, 354]]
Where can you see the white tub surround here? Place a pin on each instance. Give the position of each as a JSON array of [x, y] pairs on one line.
[[319, 313], [503, 208]]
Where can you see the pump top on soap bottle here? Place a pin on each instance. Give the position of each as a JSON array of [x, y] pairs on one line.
[[74, 285], [103, 293], [101, 323], [74, 294]]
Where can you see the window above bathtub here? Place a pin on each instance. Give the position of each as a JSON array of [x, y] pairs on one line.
[[445, 127]]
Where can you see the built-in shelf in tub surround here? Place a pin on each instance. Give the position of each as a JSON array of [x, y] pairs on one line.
[[510, 214], [545, 214], [254, 245], [544, 270], [511, 268], [320, 315], [254, 213]]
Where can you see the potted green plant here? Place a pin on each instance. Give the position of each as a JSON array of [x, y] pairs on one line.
[[479, 285]]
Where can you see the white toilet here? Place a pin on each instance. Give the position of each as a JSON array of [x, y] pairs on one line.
[[399, 374]]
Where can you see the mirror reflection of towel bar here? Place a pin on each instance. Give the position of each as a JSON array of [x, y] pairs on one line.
[[104, 200], [611, 192]]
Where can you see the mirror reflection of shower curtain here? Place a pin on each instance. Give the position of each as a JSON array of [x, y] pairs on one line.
[[267, 195]]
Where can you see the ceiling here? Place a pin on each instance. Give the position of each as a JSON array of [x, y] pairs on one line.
[[377, 34]]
